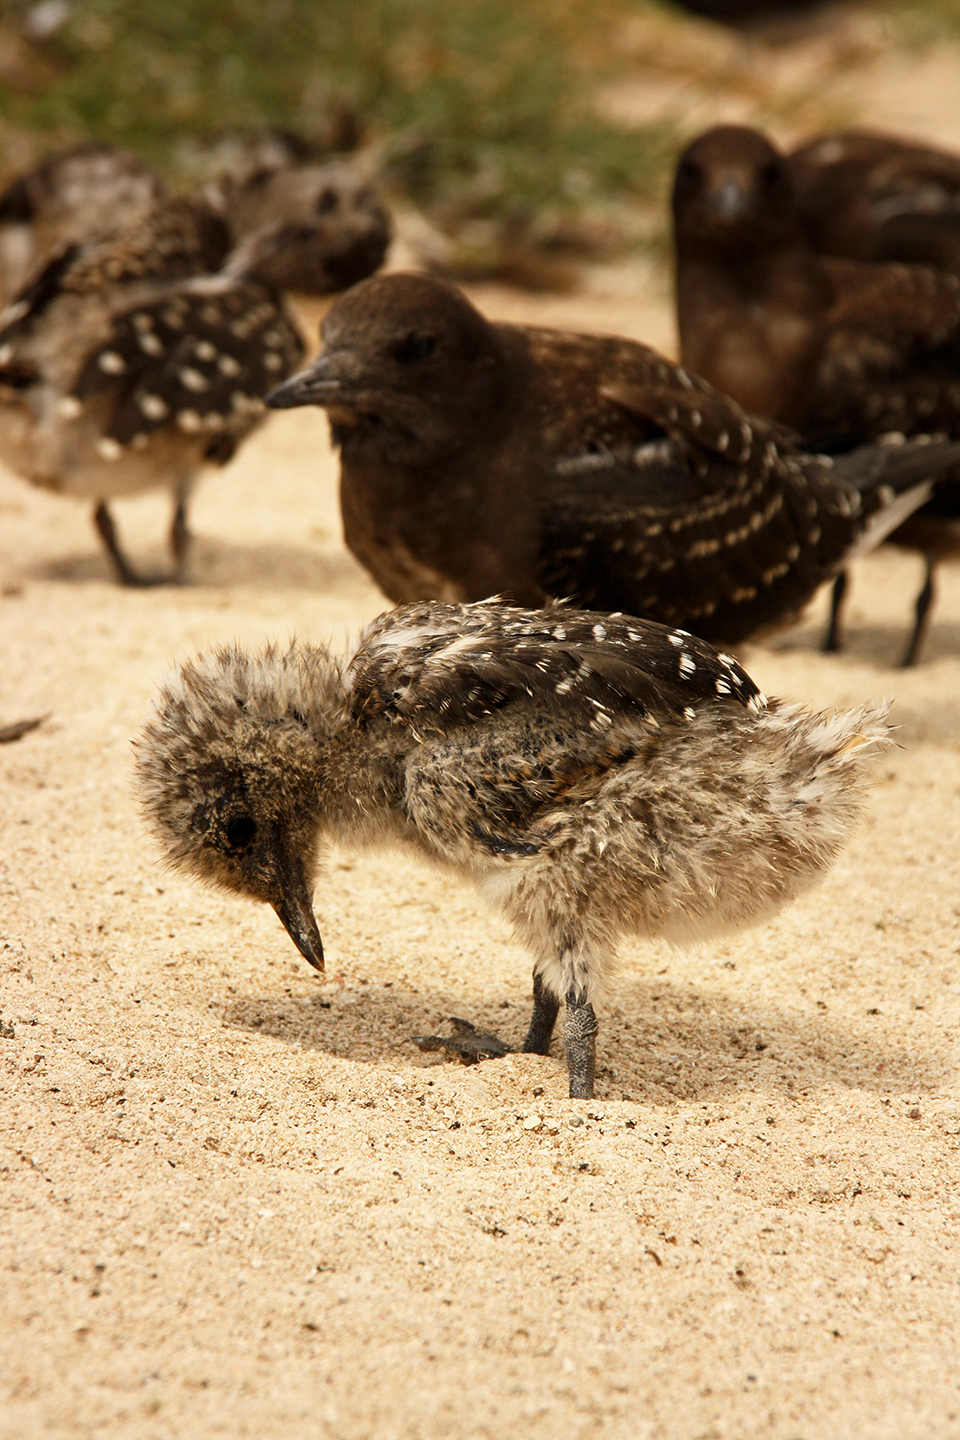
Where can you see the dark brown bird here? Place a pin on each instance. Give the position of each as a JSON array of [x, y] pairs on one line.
[[835, 348], [71, 196], [594, 776], [875, 197], [481, 459]]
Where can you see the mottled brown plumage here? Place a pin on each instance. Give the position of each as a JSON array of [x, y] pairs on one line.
[[835, 348], [481, 459], [595, 776]]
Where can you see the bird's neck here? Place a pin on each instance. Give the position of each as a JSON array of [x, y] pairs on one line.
[[753, 324], [358, 788]]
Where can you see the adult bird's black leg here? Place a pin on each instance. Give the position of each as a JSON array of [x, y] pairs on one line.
[[542, 1021], [924, 601], [126, 574], [580, 1042], [833, 641], [107, 531], [179, 540]]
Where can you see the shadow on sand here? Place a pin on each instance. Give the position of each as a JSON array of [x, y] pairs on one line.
[[662, 1042], [219, 564]]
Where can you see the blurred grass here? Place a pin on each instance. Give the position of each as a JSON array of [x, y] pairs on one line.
[[482, 110], [924, 22], [488, 99]]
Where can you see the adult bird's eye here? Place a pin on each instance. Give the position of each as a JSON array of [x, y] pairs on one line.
[[240, 831], [414, 347]]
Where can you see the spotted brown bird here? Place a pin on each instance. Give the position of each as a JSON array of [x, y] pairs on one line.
[[133, 360], [833, 347], [870, 196], [481, 459], [595, 776]]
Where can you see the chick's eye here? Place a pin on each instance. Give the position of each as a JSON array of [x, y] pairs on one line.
[[239, 831], [414, 347]]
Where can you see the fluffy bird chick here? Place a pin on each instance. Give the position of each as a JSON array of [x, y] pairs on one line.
[[481, 459], [133, 360], [69, 197], [833, 347], [335, 228], [870, 196], [594, 776]]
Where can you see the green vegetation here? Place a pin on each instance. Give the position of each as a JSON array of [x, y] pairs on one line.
[[485, 99], [482, 109]]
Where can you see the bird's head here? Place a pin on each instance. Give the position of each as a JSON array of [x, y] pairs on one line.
[[732, 191], [310, 228], [408, 368], [230, 775]]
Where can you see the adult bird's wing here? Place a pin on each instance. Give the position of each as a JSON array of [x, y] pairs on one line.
[[200, 358]]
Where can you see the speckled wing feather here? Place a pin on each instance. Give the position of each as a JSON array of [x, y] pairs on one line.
[[511, 712], [892, 356], [435, 667], [903, 305], [176, 239], [202, 356], [724, 526]]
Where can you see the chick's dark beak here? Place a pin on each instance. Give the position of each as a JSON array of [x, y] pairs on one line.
[[296, 912], [320, 383]]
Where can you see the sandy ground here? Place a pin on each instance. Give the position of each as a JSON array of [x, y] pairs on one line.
[[238, 1201]]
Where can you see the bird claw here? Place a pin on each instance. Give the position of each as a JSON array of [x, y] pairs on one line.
[[469, 1045]]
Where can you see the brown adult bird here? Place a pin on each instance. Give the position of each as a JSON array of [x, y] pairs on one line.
[[594, 776], [870, 196], [835, 348], [481, 459]]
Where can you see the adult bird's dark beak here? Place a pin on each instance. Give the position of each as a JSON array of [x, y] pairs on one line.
[[317, 385], [730, 201], [296, 912]]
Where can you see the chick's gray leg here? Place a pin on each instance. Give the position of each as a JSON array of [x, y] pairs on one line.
[[126, 574], [545, 1008], [580, 1042]]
